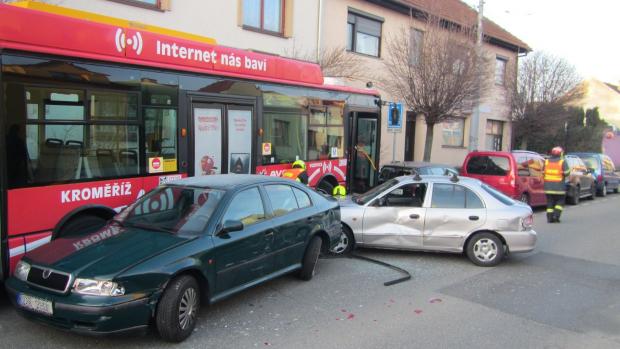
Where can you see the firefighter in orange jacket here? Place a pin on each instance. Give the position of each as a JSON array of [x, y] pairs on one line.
[[556, 171], [297, 173]]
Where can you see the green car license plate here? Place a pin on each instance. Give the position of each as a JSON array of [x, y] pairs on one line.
[[35, 304]]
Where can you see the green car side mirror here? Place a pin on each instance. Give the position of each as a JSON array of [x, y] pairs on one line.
[[230, 226]]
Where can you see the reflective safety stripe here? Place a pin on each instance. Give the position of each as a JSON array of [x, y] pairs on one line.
[[549, 210], [292, 173], [558, 192], [553, 170], [558, 207]]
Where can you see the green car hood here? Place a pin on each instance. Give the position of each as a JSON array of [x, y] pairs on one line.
[[105, 253]]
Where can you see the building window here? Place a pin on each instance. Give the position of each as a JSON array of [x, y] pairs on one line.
[[263, 15], [453, 135], [151, 4], [494, 133], [364, 35], [500, 70], [417, 37]]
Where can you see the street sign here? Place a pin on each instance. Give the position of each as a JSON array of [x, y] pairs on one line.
[[395, 117]]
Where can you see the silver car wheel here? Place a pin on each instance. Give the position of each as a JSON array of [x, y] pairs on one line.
[[342, 245], [187, 308], [485, 250]]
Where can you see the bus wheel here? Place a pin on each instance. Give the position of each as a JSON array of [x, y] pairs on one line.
[[81, 225], [325, 187]]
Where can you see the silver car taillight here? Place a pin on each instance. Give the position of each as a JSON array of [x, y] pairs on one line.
[[527, 222]]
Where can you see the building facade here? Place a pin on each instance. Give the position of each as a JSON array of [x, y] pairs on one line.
[[304, 29], [363, 26], [602, 95]]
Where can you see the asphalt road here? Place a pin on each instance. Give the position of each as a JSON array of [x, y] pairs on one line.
[[565, 294]]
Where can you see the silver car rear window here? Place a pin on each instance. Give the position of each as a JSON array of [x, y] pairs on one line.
[[498, 195]]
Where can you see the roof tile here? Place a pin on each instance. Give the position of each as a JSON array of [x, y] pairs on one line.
[[459, 12]]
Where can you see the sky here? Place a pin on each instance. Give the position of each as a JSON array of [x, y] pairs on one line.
[[584, 32]]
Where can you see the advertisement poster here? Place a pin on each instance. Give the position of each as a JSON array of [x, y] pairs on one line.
[[207, 141], [239, 141]]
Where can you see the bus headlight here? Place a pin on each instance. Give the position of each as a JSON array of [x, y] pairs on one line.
[[97, 287], [21, 270]]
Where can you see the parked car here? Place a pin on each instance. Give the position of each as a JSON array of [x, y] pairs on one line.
[[438, 213], [397, 169], [518, 174], [580, 182], [194, 240], [603, 170]]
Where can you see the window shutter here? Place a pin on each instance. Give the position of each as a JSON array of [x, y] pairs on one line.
[[288, 18], [368, 26], [240, 13], [165, 5]]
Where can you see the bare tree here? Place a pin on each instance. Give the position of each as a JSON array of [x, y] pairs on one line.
[[335, 61], [436, 73], [545, 84]]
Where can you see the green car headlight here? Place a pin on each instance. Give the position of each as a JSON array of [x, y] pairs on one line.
[[21, 270], [97, 287]]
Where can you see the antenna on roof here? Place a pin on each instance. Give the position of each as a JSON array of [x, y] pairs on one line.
[[417, 177], [454, 178]]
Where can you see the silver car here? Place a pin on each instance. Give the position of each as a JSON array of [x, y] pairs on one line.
[[437, 213]]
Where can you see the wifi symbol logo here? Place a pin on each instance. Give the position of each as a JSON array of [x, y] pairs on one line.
[[134, 42]]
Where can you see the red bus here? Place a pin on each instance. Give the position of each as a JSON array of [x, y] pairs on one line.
[[96, 114]]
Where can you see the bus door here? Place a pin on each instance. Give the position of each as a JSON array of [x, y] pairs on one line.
[[222, 138], [364, 152]]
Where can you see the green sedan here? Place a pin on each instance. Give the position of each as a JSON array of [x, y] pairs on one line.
[[197, 240]]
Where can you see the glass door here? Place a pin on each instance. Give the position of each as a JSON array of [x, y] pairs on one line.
[[207, 139], [239, 139], [222, 139], [365, 151]]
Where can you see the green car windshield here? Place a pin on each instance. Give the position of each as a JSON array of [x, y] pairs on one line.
[[172, 209]]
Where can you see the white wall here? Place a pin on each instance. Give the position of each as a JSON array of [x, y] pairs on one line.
[[217, 19]]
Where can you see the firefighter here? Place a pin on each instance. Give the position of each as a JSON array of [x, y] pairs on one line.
[[556, 171], [298, 172]]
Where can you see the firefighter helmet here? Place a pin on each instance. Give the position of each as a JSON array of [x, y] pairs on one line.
[[557, 151], [299, 164]]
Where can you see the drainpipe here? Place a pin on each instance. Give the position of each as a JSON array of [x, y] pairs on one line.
[[319, 31], [475, 118]]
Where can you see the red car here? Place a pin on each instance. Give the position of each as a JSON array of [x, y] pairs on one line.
[[518, 174]]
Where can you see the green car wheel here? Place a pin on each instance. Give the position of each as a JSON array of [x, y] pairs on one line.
[[178, 309]]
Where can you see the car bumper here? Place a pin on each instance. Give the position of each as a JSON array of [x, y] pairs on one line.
[[85, 314], [520, 241]]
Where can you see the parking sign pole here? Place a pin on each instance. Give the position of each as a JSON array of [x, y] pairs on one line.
[[393, 146]]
